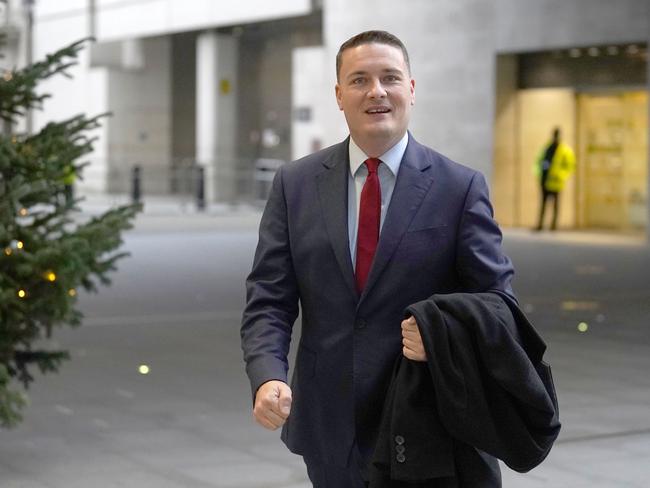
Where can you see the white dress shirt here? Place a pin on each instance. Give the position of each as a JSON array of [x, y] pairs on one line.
[[387, 172]]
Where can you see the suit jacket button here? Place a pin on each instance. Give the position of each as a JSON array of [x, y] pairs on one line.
[[399, 440], [400, 449], [360, 324], [401, 458]]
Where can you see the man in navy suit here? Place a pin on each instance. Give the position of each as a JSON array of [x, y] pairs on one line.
[[352, 235]]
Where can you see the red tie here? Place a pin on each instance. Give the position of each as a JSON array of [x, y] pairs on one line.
[[369, 215]]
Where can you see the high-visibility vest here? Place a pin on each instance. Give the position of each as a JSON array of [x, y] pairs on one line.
[[70, 176], [562, 165]]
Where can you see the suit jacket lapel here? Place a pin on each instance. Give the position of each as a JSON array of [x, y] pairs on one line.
[[332, 186], [412, 184]]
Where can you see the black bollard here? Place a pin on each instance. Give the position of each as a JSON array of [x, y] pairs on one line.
[[200, 188], [135, 184]]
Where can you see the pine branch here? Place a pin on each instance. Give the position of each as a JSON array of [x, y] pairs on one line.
[[18, 90], [11, 401], [47, 362]]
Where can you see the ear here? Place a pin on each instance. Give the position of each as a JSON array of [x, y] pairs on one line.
[[339, 99], [412, 91]]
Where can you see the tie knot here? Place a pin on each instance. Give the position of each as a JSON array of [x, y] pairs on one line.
[[372, 164]]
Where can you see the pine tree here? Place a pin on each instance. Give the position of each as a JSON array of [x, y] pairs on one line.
[[47, 251]]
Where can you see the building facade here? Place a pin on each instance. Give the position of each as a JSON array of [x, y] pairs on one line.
[[239, 87]]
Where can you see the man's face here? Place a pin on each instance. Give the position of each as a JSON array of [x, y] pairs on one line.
[[375, 92]]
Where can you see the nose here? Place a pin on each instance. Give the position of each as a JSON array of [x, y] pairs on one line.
[[376, 89]]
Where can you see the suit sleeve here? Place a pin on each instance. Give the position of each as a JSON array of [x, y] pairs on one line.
[[271, 295], [480, 261]]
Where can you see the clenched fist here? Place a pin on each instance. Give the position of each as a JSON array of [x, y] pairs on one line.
[[272, 404]]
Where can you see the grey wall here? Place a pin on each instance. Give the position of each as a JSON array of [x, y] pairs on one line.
[[534, 25], [139, 132]]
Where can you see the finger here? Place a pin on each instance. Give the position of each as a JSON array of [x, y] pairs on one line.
[[266, 416], [413, 355], [408, 354], [409, 333], [407, 324], [415, 346], [281, 407], [284, 403], [272, 418], [412, 336], [411, 344], [410, 322], [267, 424], [407, 329]]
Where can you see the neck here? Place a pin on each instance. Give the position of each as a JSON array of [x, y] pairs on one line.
[[373, 148]]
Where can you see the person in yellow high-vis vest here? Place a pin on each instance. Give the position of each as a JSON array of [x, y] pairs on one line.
[[554, 166], [68, 180]]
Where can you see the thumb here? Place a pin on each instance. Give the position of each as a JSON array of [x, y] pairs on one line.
[[284, 401]]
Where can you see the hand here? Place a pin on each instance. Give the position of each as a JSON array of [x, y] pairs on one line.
[[412, 341], [272, 404]]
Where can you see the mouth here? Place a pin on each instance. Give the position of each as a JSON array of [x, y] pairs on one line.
[[378, 110]]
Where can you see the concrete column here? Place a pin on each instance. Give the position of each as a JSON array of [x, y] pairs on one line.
[[216, 115], [308, 86]]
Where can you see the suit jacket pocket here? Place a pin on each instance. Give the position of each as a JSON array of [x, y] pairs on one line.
[[429, 228]]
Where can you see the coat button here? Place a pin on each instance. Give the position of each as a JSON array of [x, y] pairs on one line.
[[400, 449], [399, 440], [401, 458], [360, 324]]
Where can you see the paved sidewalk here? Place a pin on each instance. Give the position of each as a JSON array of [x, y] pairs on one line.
[[179, 214], [175, 305]]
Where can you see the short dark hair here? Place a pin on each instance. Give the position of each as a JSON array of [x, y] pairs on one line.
[[369, 37]]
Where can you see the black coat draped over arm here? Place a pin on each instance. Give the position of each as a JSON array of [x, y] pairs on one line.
[[484, 393]]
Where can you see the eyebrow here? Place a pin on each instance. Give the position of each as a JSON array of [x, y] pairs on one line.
[[386, 71]]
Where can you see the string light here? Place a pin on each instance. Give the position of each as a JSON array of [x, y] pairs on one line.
[[583, 327], [20, 244], [8, 76], [8, 251], [50, 276], [143, 369], [72, 292], [23, 212], [22, 293]]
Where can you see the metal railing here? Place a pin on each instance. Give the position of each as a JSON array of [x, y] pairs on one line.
[[188, 183]]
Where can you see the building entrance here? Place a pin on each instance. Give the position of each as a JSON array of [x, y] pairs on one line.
[[598, 99]]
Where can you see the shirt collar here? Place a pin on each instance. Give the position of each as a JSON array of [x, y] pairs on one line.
[[391, 158]]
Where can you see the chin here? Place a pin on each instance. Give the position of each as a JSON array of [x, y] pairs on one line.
[[380, 131]]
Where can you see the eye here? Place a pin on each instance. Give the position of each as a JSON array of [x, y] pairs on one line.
[[358, 81], [391, 78]]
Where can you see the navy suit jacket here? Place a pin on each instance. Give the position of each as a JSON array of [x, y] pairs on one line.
[[439, 236]]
